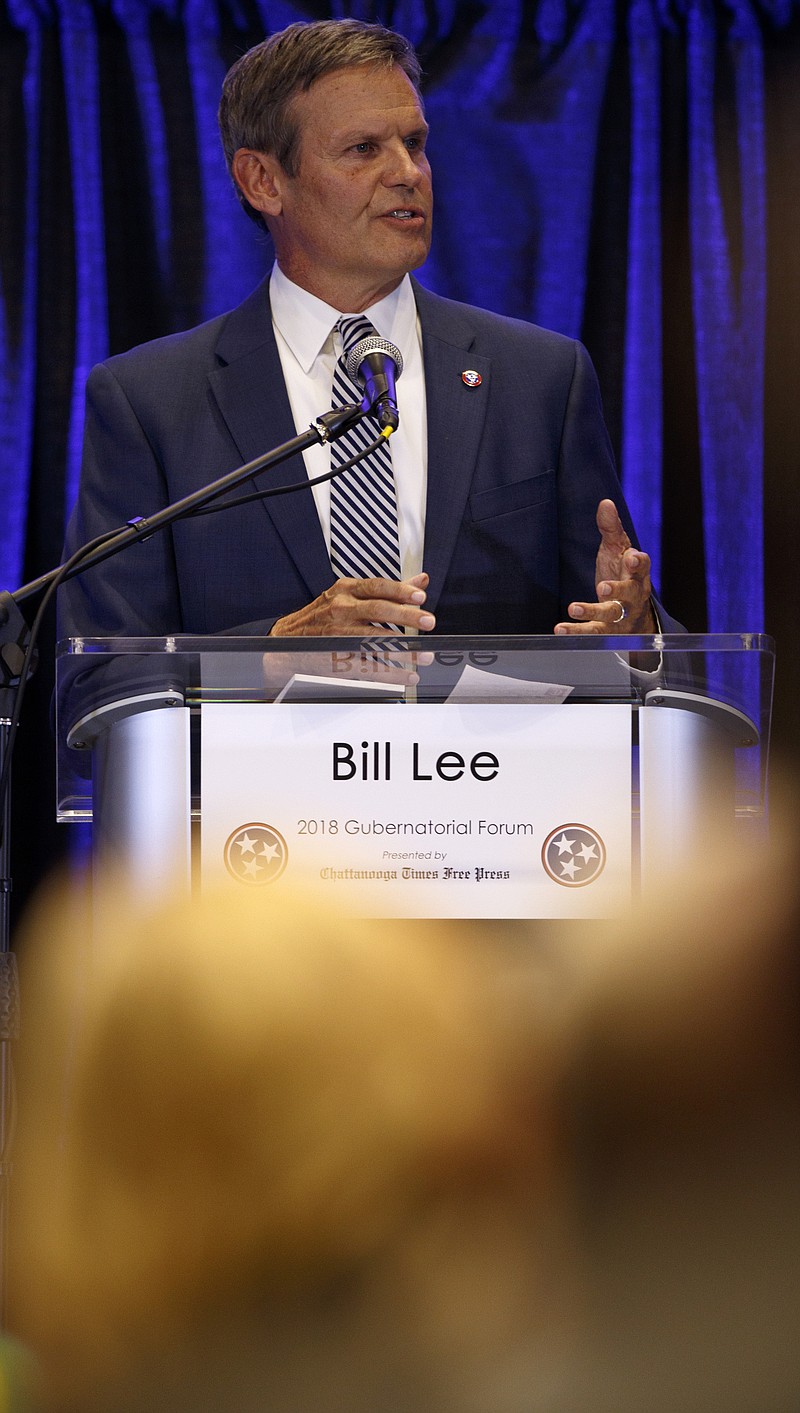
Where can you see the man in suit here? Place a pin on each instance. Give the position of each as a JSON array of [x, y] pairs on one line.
[[502, 468]]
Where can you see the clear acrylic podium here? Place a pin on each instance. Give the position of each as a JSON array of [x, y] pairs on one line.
[[513, 777]]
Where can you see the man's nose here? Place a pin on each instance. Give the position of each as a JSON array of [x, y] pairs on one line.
[[401, 168]]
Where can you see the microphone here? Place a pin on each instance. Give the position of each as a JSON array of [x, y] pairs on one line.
[[376, 364]]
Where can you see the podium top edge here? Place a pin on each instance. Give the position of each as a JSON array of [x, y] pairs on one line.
[[665, 643]]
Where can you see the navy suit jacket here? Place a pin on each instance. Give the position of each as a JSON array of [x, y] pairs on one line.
[[516, 467]]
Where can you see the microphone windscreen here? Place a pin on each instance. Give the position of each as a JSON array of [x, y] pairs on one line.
[[372, 344]]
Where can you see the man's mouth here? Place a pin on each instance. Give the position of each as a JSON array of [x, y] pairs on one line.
[[405, 213]]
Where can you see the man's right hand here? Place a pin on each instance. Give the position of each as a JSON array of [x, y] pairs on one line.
[[355, 608]]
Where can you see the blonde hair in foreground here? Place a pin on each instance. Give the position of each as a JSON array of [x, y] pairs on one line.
[[248, 1106], [277, 1160]]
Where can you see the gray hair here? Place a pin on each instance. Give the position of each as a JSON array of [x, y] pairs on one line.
[[256, 106]]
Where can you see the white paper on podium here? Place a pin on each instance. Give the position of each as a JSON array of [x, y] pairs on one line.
[[374, 808], [476, 686], [305, 687]]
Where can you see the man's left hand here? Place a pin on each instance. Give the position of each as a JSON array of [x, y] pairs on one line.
[[622, 579]]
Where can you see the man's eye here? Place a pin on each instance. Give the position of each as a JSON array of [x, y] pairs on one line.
[[362, 147]]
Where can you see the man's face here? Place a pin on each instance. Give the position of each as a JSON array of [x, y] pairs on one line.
[[356, 217]]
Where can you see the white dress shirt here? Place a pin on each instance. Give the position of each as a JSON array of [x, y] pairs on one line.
[[309, 345]]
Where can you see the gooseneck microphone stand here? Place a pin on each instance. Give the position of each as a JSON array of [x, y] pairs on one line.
[[17, 660]]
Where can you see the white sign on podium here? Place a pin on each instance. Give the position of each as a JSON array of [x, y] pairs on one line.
[[473, 811]]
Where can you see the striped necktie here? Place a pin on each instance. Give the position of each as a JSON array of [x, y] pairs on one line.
[[364, 541]]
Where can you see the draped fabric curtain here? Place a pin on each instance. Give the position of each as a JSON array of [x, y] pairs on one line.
[[623, 172]]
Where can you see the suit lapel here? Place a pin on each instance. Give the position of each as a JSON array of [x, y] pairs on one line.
[[251, 395], [456, 415]]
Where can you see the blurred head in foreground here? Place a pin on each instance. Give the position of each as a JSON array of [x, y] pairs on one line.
[[272, 1159]]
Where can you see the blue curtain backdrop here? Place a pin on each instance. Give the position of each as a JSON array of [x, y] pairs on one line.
[[624, 172]]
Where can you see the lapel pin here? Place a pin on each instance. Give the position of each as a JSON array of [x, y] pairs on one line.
[[471, 378]]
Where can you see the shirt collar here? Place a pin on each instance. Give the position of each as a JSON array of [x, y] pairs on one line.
[[305, 322]]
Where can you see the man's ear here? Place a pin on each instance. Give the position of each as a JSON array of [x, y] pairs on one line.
[[260, 179]]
